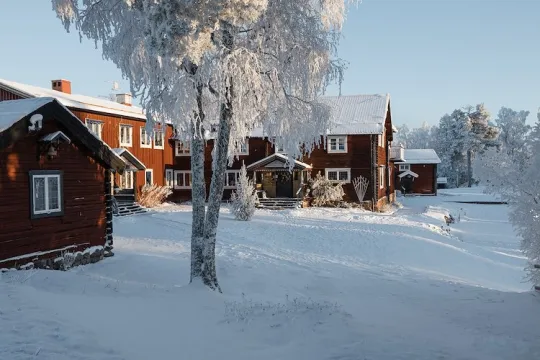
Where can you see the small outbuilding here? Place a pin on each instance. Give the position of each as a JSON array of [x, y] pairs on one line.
[[55, 186], [416, 171]]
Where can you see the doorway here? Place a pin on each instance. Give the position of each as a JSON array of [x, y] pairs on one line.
[[284, 185]]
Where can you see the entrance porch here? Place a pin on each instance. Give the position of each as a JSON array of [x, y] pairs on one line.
[[274, 179], [124, 185]]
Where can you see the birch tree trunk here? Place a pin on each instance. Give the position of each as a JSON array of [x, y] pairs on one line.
[[198, 196]]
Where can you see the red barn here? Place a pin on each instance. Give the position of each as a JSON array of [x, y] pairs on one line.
[[55, 186]]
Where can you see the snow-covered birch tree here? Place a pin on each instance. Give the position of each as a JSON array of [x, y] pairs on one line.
[[223, 65]]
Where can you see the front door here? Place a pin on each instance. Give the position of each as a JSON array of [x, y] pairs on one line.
[[125, 186], [284, 185]]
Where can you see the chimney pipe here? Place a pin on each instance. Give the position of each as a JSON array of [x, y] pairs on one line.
[[61, 85]]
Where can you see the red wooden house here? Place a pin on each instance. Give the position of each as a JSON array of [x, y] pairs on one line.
[[416, 170], [54, 185], [358, 144], [119, 124]]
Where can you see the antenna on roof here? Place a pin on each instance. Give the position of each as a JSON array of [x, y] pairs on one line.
[[115, 88]]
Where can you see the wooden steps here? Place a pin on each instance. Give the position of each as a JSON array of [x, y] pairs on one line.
[[279, 203], [126, 205]]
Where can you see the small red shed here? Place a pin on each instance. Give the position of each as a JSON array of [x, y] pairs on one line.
[[55, 187]]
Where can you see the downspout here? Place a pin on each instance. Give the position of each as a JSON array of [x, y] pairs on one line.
[[374, 169]]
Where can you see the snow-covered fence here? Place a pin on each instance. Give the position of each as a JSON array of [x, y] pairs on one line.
[[360, 186]]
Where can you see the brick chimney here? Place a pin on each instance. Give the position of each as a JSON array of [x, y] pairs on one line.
[[61, 85], [124, 99]]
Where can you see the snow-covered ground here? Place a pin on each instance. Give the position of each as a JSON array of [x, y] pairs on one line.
[[336, 284]]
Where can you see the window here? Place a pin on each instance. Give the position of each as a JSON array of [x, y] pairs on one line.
[[169, 177], [338, 175], [243, 149], [149, 177], [46, 190], [146, 141], [126, 180], [381, 177], [95, 127], [231, 178], [337, 144], [158, 139], [182, 148], [183, 179], [404, 167], [381, 138], [126, 135]]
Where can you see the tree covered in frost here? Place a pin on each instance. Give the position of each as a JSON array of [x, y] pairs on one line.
[[324, 191], [228, 66], [244, 198], [518, 182], [514, 132]]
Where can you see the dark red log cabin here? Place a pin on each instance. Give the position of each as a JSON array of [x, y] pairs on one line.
[[358, 144], [54, 183], [416, 170], [118, 123]]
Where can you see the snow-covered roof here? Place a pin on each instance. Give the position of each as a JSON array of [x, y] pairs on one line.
[[76, 101], [357, 114], [276, 160], [408, 172], [55, 136], [442, 180], [14, 110], [420, 156], [129, 158]]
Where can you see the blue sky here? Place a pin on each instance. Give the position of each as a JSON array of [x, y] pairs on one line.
[[432, 56]]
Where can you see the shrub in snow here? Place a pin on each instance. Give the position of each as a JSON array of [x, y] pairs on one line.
[[244, 198], [154, 195], [325, 192]]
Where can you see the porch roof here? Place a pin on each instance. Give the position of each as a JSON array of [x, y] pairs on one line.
[[277, 161], [129, 158], [408, 172]]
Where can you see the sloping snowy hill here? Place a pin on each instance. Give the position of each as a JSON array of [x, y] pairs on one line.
[[299, 284]]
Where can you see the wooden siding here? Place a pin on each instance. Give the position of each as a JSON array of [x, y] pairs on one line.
[[156, 159], [425, 183], [84, 220]]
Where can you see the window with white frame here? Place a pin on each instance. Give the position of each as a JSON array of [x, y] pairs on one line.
[[149, 177], [231, 178], [338, 175], [169, 177], [182, 148], [182, 179], [381, 138], [126, 180], [159, 139], [46, 191], [243, 149], [404, 167], [146, 140], [126, 135], [95, 127], [381, 177], [337, 144]]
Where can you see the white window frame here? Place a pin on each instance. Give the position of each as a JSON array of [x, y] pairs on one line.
[[156, 133], [90, 122], [337, 171], [130, 131], [148, 144], [46, 175], [151, 171], [184, 173], [130, 185], [244, 151], [382, 137], [172, 182], [186, 151], [404, 167], [227, 185], [381, 177], [337, 150]]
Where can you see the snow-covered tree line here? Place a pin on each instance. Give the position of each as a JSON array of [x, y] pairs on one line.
[[218, 69]]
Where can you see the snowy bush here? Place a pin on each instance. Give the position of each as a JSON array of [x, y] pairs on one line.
[[244, 199], [154, 195], [324, 191]]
